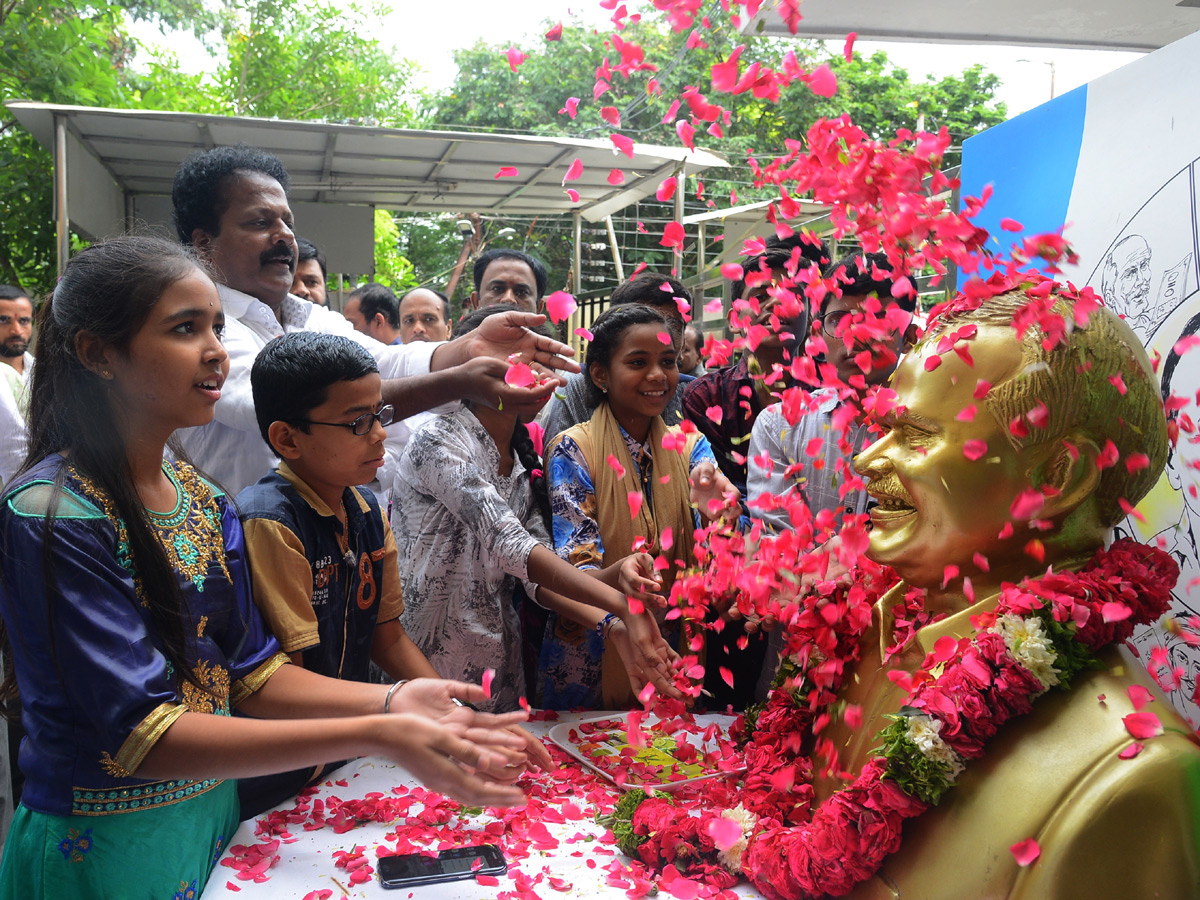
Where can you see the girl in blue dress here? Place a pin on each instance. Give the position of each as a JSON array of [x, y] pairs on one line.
[[131, 630]]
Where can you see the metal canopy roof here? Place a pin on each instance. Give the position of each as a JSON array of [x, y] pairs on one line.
[[429, 171], [1095, 24]]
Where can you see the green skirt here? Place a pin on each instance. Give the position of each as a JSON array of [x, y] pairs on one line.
[[160, 853]]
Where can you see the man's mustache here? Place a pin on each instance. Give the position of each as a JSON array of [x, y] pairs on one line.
[[285, 254]]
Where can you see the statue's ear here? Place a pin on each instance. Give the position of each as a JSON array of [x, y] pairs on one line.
[[1071, 466]]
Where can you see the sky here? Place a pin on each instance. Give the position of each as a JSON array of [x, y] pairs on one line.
[[422, 32]]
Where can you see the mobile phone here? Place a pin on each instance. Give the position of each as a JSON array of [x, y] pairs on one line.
[[454, 864]]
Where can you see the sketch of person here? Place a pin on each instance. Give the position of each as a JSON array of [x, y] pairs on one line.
[[1125, 280], [1180, 656]]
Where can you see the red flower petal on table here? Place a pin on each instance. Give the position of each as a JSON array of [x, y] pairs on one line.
[[519, 375], [823, 82], [230, 886], [560, 306], [1115, 612], [611, 115], [715, 413], [555, 33], [515, 58], [974, 449], [1131, 751], [487, 880], [635, 503], [622, 143], [666, 190], [1011, 225], [573, 171], [507, 172], [616, 177], [673, 235], [486, 681], [1025, 852], [571, 107], [1143, 725], [848, 49], [1027, 504], [1139, 696]]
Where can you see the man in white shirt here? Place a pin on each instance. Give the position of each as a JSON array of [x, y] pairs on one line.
[[16, 367], [231, 204]]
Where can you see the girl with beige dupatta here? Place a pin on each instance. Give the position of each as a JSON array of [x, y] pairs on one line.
[[623, 483]]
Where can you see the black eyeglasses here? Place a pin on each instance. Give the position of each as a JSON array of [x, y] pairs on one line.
[[361, 425]]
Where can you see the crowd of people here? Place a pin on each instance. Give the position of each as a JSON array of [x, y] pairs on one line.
[[247, 537]]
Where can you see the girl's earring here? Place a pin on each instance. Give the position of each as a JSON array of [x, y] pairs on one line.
[[105, 374], [604, 388]]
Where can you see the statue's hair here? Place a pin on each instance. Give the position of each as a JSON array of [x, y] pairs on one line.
[[1073, 381]]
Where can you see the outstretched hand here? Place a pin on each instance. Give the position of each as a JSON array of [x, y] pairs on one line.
[[636, 578], [712, 493], [646, 655]]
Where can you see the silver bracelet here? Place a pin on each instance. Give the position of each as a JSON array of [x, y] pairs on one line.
[[387, 700]]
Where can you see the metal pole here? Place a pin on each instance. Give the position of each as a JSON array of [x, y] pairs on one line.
[[62, 222], [616, 251], [577, 235]]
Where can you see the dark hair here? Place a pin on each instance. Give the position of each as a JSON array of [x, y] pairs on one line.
[[445, 301], [647, 289], [606, 335], [11, 292], [699, 334], [486, 259], [306, 250], [291, 376], [860, 274], [107, 290], [374, 298], [777, 253], [522, 443], [198, 192]]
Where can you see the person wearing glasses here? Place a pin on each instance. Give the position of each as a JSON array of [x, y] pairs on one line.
[[322, 557]]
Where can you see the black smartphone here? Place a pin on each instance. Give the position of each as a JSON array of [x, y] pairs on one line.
[[454, 864]]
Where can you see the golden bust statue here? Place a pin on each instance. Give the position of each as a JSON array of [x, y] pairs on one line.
[[1107, 827]]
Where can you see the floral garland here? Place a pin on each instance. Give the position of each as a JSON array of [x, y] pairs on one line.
[[1042, 634]]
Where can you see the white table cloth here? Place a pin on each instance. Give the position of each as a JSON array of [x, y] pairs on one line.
[[576, 867]]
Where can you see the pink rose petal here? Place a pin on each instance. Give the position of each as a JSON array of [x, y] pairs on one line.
[[573, 171], [823, 82], [571, 107], [974, 449], [519, 375], [585, 334], [666, 190], [507, 172], [486, 682], [715, 413], [1131, 751], [848, 49], [1025, 852], [515, 58], [724, 832], [560, 306], [1143, 725], [1139, 696], [573, 194], [635, 503]]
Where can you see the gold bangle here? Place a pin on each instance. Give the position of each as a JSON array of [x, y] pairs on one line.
[[387, 700]]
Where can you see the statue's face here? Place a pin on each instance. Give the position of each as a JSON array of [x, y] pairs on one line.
[[938, 508]]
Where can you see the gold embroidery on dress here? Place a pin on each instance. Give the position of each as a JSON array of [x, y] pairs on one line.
[[113, 768], [214, 698], [200, 628]]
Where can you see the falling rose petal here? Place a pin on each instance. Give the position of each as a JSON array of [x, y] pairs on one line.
[[715, 413], [823, 82], [1139, 696], [932, 362], [666, 190], [714, 306], [571, 107], [848, 49], [611, 115], [974, 449], [724, 832], [1143, 725], [1184, 344], [726, 675], [555, 33], [1115, 612], [524, 703], [1025, 852], [981, 389], [616, 177], [672, 235], [573, 194], [488, 675], [519, 375], [573, 171], [1027, 504], [664, 338], [635, 503], [666, 538], [622, 143], [1131, 751], [732, 272], [853, 716], [585, 334], [560, 306], [1011, 225], [507, 172], [515, 58], [1137, 461], [615, 465], [686, 133]]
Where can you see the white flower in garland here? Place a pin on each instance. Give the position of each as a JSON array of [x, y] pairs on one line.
[[1030, 646], [731, 858], [925, 732]]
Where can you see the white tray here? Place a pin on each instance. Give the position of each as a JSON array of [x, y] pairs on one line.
[[561, 735]]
